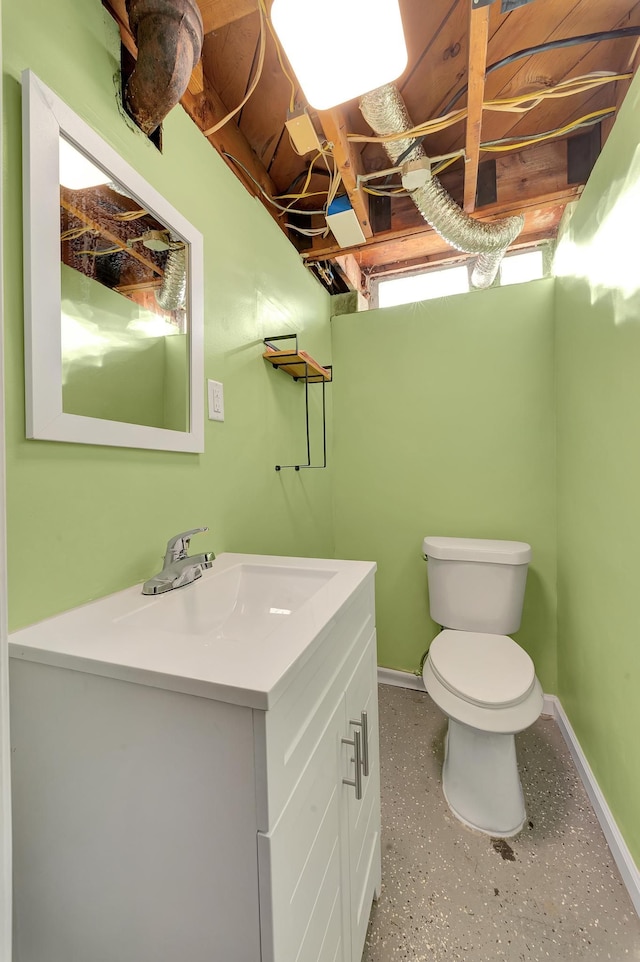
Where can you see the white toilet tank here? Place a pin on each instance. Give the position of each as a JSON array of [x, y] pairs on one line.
[[477, 585]]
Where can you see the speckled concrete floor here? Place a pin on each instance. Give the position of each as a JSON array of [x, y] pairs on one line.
[[449, 894]]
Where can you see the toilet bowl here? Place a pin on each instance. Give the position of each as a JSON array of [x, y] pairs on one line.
[[480, 677], [486, 685]]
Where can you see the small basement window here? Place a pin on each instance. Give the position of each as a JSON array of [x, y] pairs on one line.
[[519, 268], [516, 268], [423, 287]]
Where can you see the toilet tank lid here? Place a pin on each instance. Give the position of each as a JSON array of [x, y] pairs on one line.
[[477, 549]]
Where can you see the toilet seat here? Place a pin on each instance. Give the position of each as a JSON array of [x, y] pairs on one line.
[[491, 671], [463, 684]]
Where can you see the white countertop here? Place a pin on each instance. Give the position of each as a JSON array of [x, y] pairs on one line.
[[134, 637]]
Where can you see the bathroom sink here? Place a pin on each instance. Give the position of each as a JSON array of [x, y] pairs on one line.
[[239, 634], [248, 599]]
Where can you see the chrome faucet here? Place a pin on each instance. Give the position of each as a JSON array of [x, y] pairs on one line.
[[179, 568]]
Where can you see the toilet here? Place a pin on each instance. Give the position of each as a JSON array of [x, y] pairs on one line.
[[479, 677]]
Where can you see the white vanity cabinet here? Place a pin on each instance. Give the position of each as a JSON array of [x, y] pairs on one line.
[[155, 822], [319, 858]]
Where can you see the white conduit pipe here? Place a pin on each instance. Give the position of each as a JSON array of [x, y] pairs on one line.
[[386, 113]]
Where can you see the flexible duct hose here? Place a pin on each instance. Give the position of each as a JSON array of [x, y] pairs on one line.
[[172, 294], [386, 113]]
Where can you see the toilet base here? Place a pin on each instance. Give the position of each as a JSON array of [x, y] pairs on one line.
[[480, 780]]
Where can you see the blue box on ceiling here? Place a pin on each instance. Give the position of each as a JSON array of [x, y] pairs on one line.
[[343, 222]]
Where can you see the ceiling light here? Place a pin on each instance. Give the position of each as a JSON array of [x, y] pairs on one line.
[[76, 171], [341, 48]]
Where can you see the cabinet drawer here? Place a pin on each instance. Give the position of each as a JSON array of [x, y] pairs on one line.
[[300, 863], [286, 735]]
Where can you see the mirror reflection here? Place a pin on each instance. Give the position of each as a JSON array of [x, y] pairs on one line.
[[124, 273]]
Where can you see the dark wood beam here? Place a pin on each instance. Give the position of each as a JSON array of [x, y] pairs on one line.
[[448, 258], [477, 65], [542, 214], [334, 125]]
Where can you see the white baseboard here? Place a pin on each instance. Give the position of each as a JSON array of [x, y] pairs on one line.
[[400, 679], [552, 707], [621, 854]]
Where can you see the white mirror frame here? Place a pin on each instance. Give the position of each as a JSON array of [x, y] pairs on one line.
[[44, 118]]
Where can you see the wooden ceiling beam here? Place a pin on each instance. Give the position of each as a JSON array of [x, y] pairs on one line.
[[334, 125], [477, 65], [448, 258], [218, 13], [415, 242]]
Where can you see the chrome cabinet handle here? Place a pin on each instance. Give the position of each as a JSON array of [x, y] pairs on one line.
[[356, 781], [364, 725]]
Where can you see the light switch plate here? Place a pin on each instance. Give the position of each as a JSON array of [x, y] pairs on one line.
[[215, 395]]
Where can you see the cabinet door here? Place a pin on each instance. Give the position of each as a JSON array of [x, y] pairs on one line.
[[300, 862], [362, 861]]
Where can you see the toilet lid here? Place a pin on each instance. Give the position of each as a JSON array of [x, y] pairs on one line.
[[488, 670]]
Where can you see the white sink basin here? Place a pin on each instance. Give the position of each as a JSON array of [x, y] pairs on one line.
[[239, 634], [246, 600]]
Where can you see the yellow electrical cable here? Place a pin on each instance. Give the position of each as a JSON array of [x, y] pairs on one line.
[[446, 163], [383, 193], [254, 82], [128, 215], [305, 187], [562, 89], [493, 148], [107, 250], [439, 123], [292, 99], [565, 88], [74, 232]]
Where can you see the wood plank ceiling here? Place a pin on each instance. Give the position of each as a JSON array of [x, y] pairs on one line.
[[452, 51]]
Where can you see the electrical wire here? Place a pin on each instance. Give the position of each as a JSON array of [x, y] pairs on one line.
[[619, 34], [127, 215], [543, 48], [394, 191], [106, 250], [564, 88], [428, 127], [444, 164], [512, 143], [263, 192], [256, 76], [507, 143], [312, 232], [74, 232], [292, 99]]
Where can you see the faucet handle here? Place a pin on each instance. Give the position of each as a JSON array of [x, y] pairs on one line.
[[178, 546]]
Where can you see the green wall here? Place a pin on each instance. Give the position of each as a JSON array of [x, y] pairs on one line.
[[444, 425], [85, 521], [598, 376]]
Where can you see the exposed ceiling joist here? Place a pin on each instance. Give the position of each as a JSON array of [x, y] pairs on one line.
[[477, 65], [389, 246], [334, 124]]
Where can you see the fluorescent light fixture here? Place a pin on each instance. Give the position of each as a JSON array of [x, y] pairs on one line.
[[76, 171], [340, 49]]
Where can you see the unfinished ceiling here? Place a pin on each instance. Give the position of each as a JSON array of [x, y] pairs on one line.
[[456, 63]]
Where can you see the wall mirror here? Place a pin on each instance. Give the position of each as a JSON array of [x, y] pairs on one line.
[[113, 293]]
